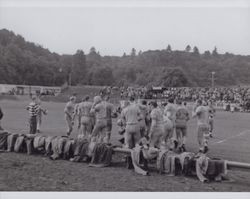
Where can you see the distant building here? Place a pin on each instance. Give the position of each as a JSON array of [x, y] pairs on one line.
[[10, 89]]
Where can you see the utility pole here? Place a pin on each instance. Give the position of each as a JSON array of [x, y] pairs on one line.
[[213, 73], [70, 78], [70, 72]]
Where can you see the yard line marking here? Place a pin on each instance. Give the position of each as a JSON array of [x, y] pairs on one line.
[[240, 134]]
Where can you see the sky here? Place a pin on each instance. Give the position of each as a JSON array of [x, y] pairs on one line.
[[115, 27]]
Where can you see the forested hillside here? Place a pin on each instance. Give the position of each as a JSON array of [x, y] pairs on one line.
[[23, 62]]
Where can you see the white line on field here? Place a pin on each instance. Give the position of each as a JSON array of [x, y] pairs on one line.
[[232, 137]]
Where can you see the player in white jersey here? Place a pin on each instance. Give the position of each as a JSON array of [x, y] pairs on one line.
[[120, 122], [201, 112], [77, 115], [170, 112], [168, 129], [110, 113], [41, 111], [131, 116], [182, 117], [104, 111], [99, 111], [144, 114], [86, 118], [156, 134], [211, 118], [69, 114]]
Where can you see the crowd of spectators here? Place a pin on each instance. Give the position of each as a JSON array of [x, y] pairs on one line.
[[221, 96]]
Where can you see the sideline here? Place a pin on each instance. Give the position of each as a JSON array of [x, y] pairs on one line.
[[232, 137]]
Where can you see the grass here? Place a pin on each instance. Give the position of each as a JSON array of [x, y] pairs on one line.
[[7, 97], [38, 173], [228, 128]]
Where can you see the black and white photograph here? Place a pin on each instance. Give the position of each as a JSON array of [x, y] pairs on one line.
[[124, 96]]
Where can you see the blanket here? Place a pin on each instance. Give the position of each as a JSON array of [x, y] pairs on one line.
[[102, 155]]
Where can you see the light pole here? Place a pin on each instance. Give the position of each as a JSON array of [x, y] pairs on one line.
[[213, 73], [70, 78]]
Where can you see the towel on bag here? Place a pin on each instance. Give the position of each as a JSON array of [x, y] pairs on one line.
[[3, 140], [57, 146], [20, 144], [11, 140]]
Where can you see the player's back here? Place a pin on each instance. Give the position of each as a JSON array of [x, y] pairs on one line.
[[85, 108], [143, 110], [182, 116], [157, 115], [131, 114], [109, 109], [69, 108], [100, 111], [170, 111], [202, 113]]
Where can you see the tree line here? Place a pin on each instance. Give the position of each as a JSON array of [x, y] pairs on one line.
[[23, 62]]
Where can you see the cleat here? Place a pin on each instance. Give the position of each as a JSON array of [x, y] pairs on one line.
[[175, 144], [67, 134], [205, 149], [129, 163], [183, 148]]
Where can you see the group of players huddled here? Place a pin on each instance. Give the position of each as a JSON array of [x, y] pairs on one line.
[[157, 125]]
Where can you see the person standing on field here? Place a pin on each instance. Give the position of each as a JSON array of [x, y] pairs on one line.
[[182, 117], [1, 117], [168, 130], [87, 119], [145, 115], [69, 114], [170, 112], [131, 116], [211, 118], [77, 115], [99, 110], [201, 112], [104, 111], [33, 109], [110, 113], [41, 111], [156, 133]]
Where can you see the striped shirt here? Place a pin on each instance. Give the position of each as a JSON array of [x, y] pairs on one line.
[[33, 109]]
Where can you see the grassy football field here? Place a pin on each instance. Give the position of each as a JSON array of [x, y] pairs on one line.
[[33, 173]]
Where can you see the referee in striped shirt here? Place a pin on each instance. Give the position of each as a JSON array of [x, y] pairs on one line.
[[33, 109]]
